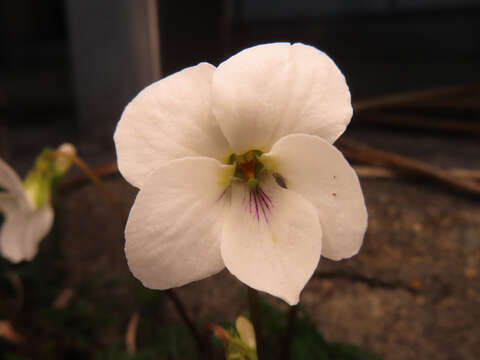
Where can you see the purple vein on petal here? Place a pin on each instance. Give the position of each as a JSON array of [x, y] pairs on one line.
[[262, 202], [250, 203], [265, 198], [256, 205], [223, 193]]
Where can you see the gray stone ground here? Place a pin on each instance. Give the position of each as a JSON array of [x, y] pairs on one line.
[[413, 291]]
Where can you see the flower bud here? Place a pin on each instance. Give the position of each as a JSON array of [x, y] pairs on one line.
[[63, 163], [246, 331]]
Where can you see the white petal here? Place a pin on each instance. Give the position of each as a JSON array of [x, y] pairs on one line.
[[39, 225], [169, 119], [173, 231], [272, 248], [8, 202], [319, 172], [266, 92], [22, 232], [12, 235], [9, 179]]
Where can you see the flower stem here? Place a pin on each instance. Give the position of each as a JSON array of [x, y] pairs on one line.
[[287, 339], [115, 204], [191, 326], [254, 305]]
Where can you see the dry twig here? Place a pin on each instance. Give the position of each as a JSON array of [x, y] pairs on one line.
[[380, 172], [358, 151], [131, 334], [414, 96], [9, 333], [63, 299], [418, 122]]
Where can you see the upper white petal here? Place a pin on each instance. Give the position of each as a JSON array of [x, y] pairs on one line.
[[9, 180], [268, 91], [318, 171], [169, 119], [173, 231], [275, 248], [22, 232]]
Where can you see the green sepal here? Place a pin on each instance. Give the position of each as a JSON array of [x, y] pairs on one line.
[[41, 179]]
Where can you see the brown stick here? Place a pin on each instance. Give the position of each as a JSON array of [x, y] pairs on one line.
[[355, 150], [413, 96], [105, 170], [363, 171], [380, 172], [9, 333], [131, 334], [419, 122], [109, 195]]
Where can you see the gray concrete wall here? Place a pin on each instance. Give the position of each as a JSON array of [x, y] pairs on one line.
[[115, 53]]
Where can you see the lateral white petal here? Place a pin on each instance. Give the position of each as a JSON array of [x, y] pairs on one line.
[[268, 91], [39, 224], [11, 236], [173, 231], [272, 244], [9, 179], [318, 171], [9, 202], [169, 119], [22, 232]]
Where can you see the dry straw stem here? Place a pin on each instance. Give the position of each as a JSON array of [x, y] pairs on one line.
[[430, 123], [380, 172], [413, 96], [9, 333], [361, 152], [63, 299], [131, 334]]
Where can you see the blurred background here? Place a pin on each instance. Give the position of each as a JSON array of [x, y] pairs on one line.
[[68, 68]]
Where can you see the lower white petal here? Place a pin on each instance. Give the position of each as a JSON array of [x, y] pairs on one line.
[[22, 232], [173, 231], [272, 240], [319, 172]]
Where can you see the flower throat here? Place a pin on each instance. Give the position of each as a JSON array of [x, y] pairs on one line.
[[248, 167]]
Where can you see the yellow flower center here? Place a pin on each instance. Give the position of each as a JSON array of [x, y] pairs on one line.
[[248, 167]]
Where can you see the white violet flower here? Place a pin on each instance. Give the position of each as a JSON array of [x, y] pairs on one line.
[[26, 206], [236, 169]]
